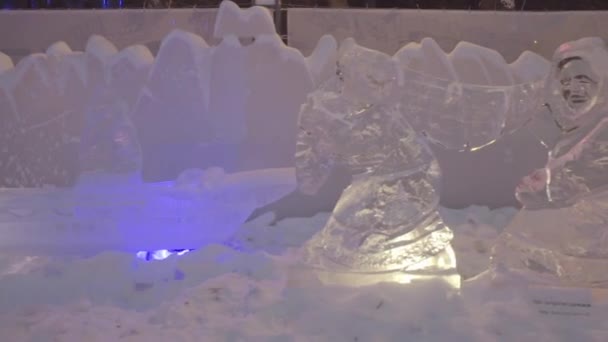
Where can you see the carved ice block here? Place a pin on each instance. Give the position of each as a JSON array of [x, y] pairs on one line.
[[561, 234], [376, 116]]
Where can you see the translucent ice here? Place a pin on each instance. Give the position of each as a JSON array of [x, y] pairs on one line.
[[322, 61], [172, 107], [465, 99], [386, 221], [44, 124], [5, 62], [273, 102], [561, 234], [250, 22], [114, 213], [375, 117]]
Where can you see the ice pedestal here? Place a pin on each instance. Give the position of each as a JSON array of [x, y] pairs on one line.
[[566, 246], [439, 267], [560, 236]]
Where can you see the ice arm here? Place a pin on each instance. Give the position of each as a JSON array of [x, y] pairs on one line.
[[572, 171]]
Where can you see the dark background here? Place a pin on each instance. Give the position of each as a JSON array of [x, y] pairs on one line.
[[528, 5]]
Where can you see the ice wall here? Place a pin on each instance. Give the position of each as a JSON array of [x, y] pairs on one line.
[[232, 105], [437, 82]]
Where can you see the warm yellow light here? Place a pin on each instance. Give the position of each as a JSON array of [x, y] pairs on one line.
[[439, 267]]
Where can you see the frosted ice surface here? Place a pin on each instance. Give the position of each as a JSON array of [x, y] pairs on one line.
[[484, 110], [109, 143], [569, 193], [322, 61], [228, 95], [465, 99], [386, 220], [127, 72], [375, 116], [242, 23], [100, 47], [58, 49], [115, 213], [272, 103], [5, 63], [98, 52], [171, 113], [11, 168], [529, 72], [47, 126], [530, 66]]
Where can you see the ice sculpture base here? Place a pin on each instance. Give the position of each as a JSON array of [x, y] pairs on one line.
[[302, 275], [561, 246], [545, 266]]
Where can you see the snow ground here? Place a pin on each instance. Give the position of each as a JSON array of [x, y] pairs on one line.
[[241, 294]]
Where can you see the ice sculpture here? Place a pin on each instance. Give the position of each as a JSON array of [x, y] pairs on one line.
[[233, 105], [5, 62], [117, 109], [385, 226], [385, 223], [560, 235]]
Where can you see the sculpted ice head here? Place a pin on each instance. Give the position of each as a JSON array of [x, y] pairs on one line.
[[576, 82]]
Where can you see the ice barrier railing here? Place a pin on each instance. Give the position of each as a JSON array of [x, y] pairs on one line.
[[230, 105]]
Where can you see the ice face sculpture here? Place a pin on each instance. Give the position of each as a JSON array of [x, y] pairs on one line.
[[386, 223], [561, 235]]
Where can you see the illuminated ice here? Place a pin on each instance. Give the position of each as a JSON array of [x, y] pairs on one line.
[[250, 22], [43, 126], [465, 99], [560, 235], [386, 223], [322, 61], [273, 102], [375, 117], [113, 131], [5, 63], [172, 109]]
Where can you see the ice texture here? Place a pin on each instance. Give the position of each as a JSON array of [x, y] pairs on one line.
[[40, 124], [376, 116], [250, 22], [560, 234], [273, 103], [387, 219], [465, 99], [5, 63], [172, 108], [116, 213], [108, 111], [322, 61]]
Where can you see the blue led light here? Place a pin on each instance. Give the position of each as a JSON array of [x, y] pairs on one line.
[[161, 254]]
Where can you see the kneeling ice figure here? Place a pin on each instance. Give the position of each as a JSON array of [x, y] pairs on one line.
[[385, 226], [561, 234]]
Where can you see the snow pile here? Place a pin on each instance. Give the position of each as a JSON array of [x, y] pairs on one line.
[[222, 294]]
